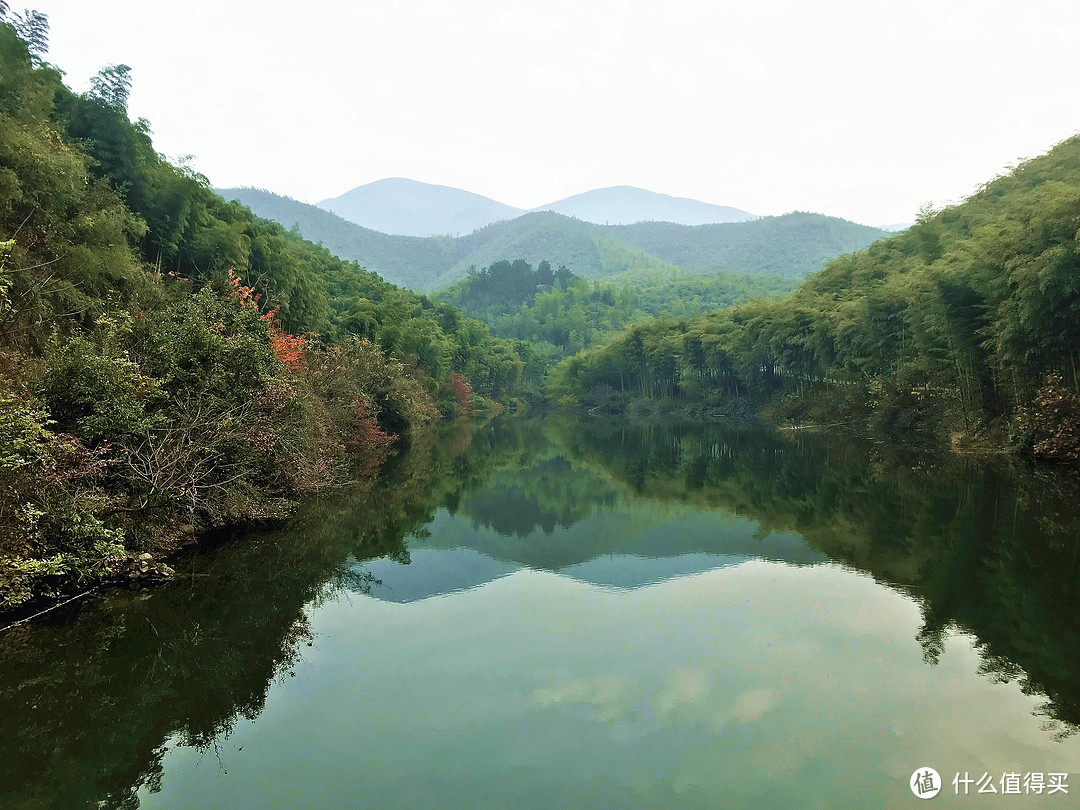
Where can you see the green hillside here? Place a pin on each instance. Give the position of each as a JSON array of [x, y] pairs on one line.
[[968, 323], [169, 362], [793, 245], [546, 236], [405, 260], [560, 313]]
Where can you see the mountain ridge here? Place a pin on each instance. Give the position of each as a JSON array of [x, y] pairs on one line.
[[404, 207], [627, 205], [791, 245], [401, 206]]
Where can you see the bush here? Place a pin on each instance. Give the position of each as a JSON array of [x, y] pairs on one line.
[[49, 534], [1049, 427], [93, 387]]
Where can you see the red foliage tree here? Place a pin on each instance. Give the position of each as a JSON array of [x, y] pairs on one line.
[[462, 392], [288, 349]]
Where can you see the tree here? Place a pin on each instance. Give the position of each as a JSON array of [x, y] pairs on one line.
[[112, 85], [33, 28]]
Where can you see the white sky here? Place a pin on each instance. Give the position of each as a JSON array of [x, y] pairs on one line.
[[860, 109]]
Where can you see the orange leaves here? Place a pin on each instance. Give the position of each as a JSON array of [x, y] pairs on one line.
[[247, 295], [288, 349], [462, 392]]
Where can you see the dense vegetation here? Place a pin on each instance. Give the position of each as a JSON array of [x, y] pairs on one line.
[[559, 313], [792, 246], [966, 323], [167, 360]]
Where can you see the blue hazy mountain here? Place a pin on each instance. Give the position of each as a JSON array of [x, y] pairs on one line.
[[397, 205], [406, 207], [625, 205]]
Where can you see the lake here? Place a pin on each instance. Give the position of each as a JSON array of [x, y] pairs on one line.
[[576, 613]]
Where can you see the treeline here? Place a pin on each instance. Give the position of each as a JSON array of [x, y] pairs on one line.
[[968, 323], [559, 313], [168, 361]]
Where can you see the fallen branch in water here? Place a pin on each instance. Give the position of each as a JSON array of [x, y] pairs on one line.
[[54, 607]]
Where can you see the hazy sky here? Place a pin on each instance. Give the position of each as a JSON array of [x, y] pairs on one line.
[[862, 109]]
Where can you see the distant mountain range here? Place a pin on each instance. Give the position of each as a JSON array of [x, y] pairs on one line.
[[626, 205], [404, 207], [408, 208], [793, 245]]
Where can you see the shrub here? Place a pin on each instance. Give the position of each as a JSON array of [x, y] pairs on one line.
[[1049, 427], [95, 389]]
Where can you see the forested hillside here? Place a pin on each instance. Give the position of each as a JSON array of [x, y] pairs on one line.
[[560, 313], [405, 260], [169, 362], [967, 323], [793, 245]]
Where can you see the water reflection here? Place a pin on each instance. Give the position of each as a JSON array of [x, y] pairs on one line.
[[986, 547], [553, 516]]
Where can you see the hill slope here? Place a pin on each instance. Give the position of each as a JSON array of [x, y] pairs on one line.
[[425, 263], [965, 326], [625, 205], [404, 260], [405, 207], [791, 246]]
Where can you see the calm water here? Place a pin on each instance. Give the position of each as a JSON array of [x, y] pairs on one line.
[[581, 614]]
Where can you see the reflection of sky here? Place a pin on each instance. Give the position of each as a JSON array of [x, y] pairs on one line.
[[759, 685]]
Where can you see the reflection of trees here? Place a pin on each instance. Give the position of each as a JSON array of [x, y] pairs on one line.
[[88, 699], [988, 548], [535, 486], [546, 494]]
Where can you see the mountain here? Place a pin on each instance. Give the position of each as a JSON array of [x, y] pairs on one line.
[[792, 245], [405, 207], [403, 260], [397, 205], [427, 263], [625, 205]]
